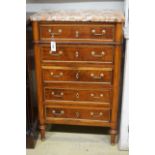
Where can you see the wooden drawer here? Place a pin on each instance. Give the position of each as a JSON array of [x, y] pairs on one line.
[[77, 31], [51, 94], [102, 53], [81, 74], [78, 113]]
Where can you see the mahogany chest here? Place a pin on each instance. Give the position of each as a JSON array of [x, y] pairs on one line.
[[79, 83]]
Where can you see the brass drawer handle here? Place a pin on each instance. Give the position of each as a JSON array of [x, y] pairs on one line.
[[61, 94], [57, 76], [96, 114], [97, 77], [76, 54], [77, 76], [77, 114], [56, 54], [93, 95], [76, 34], [55, 33], [103, 32], [58, 113], [77, 95], [93, 53]]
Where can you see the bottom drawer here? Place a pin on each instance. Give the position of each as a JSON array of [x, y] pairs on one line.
[[78, 113]]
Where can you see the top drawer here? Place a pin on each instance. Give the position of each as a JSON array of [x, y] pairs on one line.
[[77, 31]]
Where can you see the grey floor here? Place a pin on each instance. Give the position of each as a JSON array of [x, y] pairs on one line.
[[68, 140]]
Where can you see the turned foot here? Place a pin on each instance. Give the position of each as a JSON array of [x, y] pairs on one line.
[[42, 132], [113, 134]]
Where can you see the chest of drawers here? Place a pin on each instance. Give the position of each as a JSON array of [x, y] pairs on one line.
[[78, 84]]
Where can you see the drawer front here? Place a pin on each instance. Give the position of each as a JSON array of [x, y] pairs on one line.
[[78, 113], [77, 95], [77, 31], [94, 53], [80, 75]]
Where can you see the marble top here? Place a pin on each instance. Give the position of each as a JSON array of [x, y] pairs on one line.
[[79, 15]]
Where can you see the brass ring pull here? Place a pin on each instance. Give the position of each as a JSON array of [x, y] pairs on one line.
[[57, 76], [93, 95], [55, 33], [96, 114], [93, 53], [97, 77], [56, 54], [103, 32], [57, 95], [58, 113]]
